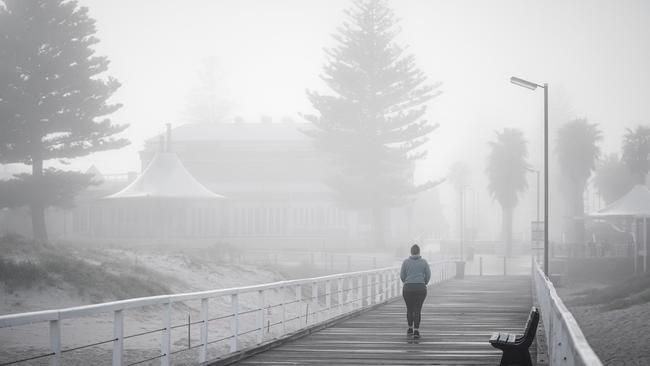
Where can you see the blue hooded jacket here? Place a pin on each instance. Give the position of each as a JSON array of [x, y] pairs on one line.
[[415, 269]]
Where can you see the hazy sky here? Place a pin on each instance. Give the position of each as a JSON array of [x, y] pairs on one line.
[[594, 54]]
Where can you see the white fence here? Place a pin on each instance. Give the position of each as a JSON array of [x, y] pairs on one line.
[[565, 341], [277, 310]]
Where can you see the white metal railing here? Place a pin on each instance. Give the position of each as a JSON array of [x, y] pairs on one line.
[[565, 341], [279, 309]]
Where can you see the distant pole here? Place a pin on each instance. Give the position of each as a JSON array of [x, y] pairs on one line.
[[461, 222], [546, 179], [538, 195]]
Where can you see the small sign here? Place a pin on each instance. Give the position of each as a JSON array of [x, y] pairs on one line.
[[537, 231]]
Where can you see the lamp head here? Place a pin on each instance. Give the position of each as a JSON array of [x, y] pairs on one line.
[[524, 83]]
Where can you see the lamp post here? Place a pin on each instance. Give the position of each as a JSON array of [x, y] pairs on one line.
[[532, 86]]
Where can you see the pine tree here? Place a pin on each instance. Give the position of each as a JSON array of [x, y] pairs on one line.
[[372, 123], [53, 99]]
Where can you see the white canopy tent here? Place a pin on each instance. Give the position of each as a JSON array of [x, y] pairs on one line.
[[165, 177], [634, 205], [164, 201]]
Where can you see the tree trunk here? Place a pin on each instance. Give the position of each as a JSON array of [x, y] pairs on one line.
[[506, 226], [37, 210], [576, 228], [378, 229]]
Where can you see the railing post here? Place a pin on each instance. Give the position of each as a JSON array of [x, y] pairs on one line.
[[504, 265], [314, 295], [166, 343], [234, 323], [260, 317], [384, 285], [350, 293], [377, 288], [328, 296], [369, 290], [480, 266], [55, 342], [299, 303], [203, 354], [339, 286], [284, 310], [360, 290], [118, 334], [398, 282]]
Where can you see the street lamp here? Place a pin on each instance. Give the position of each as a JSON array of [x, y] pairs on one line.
[[532, 86]]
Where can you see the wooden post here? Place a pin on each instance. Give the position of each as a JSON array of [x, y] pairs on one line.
[[166, 344], [203, 353], [284, 310], [118, 334], [234, 323], [299, 302], [360, 290], [55, 342], [328, 295], [377, 288], [339, 286], [260, 317], [314, 295]]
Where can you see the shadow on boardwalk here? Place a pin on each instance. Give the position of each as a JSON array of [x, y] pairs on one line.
[[458, 318]]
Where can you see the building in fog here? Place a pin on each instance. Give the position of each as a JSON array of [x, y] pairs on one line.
[[274, 181]]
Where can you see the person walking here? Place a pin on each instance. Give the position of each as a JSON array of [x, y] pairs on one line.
[[415, 275]]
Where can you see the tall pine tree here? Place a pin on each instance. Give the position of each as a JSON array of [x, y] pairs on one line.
[[53, 98], [372, 123]]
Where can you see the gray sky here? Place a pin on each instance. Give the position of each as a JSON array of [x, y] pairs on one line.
[[594, 54]]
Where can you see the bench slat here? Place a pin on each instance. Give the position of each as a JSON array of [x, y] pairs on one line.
[[495, 337]]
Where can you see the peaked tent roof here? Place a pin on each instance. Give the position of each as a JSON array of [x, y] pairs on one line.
[[635, 203], [165, 177]]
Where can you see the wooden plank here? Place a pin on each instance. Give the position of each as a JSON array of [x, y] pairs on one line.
[[458, 319]]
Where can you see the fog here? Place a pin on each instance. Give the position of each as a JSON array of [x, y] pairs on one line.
[[258, 141], [594, 56]]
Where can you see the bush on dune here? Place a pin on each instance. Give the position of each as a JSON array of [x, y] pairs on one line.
[[49, 265]]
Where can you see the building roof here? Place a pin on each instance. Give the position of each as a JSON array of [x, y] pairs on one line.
[[165, 177], [635, 203], [239, 132]]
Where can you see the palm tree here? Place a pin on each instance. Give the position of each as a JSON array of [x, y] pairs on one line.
[[636, 151], [612, 178], [577, 150], [506, 171]]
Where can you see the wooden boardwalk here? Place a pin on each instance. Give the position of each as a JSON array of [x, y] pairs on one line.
[[457, 320]]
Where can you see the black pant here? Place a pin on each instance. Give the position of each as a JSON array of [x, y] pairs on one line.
[[414, 295]]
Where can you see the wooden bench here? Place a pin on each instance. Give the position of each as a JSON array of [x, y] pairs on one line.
[[514, 347]]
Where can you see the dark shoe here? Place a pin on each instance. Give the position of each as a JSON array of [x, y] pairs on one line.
[[409, 332], [416, 334]]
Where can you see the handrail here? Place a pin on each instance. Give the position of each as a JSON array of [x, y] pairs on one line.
[[566, 343], [293, 311]]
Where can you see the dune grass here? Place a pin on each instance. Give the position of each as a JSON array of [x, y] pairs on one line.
[[624, 294], [25, 264]]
